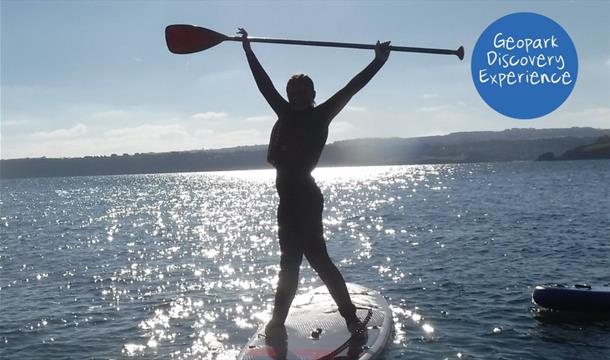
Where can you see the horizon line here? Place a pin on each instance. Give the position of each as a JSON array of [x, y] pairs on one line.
[[334, 142]]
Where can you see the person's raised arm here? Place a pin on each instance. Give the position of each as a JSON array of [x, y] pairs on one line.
[[338, 101], [263, 82]]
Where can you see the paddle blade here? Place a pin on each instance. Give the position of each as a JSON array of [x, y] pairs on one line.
[[187, 39]]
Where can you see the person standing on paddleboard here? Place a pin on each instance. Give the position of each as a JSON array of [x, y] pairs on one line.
[[297, 140]]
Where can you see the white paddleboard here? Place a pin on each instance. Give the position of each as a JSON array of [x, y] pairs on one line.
[[315, 328]]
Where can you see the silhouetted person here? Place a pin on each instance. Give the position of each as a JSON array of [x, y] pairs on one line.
[[297, 140]]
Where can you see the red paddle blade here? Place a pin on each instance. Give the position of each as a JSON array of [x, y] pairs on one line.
[[187, 39]]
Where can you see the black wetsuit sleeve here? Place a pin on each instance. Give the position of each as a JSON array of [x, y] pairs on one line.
[[337, 102], [264, 84]]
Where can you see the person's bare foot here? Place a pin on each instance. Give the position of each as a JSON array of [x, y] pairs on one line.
[[357, 329], [275, 331]]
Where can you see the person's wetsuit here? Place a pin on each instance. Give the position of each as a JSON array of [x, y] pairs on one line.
[[297, 140]]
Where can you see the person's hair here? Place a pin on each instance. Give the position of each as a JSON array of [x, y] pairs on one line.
[[300, 78]]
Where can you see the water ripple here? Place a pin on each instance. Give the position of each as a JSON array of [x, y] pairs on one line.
[[184, 265]]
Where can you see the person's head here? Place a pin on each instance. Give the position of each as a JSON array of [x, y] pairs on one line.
[[301, 93]]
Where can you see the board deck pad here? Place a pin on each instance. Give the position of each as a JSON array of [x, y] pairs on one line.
[[317, 310]]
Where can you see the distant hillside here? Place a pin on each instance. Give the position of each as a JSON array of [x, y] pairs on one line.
[[600, 149], [482, 146]]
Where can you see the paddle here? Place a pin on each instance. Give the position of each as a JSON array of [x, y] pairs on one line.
[[187, 39]]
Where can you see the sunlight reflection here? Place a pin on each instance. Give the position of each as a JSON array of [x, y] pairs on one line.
[[133, 349], [254, 175], [206, 251], [428, 328], [326, 174]]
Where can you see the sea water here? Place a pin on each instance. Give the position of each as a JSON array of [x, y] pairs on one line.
[[184, 266]]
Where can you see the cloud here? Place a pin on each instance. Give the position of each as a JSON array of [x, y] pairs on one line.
[[98, 129], [210, 115], [262, 118], [597, 112], [342, 127], [61, 134], [220, 139], [608, 62], [14, 123], [146, 133], [114, 114], [149, 138], [112, 117], [433, 109], [80, 140], [429, 96], [598, 117], [203, 133], [172, 132], [355, 108], [341, 130]]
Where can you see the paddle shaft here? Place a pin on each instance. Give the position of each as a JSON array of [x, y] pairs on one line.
[[187, 39], [459, 52]]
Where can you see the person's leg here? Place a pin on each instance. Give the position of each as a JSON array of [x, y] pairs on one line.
[[290, 262], [287, 285], [320, 261], [318, 258]]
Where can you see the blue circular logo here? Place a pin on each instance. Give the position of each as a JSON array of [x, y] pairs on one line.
[[524, 65]]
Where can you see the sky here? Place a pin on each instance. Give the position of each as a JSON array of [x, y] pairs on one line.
[[83, 78]]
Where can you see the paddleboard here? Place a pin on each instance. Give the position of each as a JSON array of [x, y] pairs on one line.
[[315, 329], [577, 298]]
